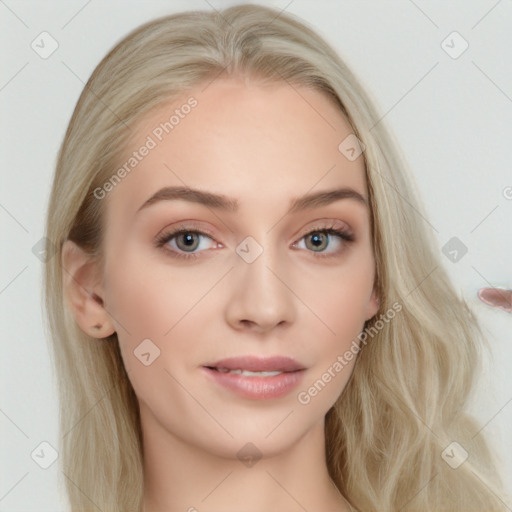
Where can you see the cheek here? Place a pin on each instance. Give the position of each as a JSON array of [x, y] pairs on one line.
[[166, 304], [146, 295], [339, 297], [137, 301], [339, 301], [336, 346], [149, 305]]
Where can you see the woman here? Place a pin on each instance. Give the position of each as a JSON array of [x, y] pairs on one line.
[[247, 311]]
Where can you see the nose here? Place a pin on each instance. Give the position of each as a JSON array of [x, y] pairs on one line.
[[261, 296]]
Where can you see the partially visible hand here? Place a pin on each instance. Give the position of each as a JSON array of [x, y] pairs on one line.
[[496, 297]]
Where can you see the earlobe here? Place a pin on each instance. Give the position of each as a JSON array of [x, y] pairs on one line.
[[83, 291]]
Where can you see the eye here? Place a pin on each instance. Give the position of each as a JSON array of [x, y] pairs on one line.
[[188, 242], [322, 238], [184, 242]]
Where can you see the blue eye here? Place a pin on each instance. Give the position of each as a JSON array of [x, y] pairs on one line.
[[187, 243]]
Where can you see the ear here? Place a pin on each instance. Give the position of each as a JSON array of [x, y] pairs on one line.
[[83, 291], [373, 305]]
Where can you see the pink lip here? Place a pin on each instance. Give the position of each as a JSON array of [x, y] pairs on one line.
[[257, 388], [258, 364]]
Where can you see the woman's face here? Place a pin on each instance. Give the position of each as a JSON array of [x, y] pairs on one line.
[[254, 274]]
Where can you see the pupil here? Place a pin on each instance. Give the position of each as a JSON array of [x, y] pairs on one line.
[[188, 241], [317, 239]]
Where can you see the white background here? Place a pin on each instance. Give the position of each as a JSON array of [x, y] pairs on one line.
[[452, 117]]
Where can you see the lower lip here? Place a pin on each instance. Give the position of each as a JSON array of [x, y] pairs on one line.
[[257, 388]]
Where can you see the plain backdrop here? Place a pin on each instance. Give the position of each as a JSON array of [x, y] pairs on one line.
[[449, 106]]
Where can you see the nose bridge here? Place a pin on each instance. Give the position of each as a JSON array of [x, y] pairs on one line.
[[260, 295], [257, 262]]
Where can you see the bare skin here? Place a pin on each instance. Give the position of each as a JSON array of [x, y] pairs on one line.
[[496, 297], [263, 146]]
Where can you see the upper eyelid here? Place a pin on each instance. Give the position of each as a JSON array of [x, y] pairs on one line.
[[321, 225]]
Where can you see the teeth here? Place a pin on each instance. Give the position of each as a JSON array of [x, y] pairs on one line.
[[248, 373]]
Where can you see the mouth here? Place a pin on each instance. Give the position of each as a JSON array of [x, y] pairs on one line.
[[256, 378], [247, 373], [254, 365]]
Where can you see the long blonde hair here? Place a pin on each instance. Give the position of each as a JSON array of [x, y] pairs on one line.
[[406, 399]]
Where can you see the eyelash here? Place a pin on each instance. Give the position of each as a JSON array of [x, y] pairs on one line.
[[166, 237]]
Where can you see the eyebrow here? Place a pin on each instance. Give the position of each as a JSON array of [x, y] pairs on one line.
[[222, 202]]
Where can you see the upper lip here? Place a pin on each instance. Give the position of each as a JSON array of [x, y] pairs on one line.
[[258, 364]]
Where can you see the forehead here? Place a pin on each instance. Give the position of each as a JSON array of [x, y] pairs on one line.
[[243, 139]]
